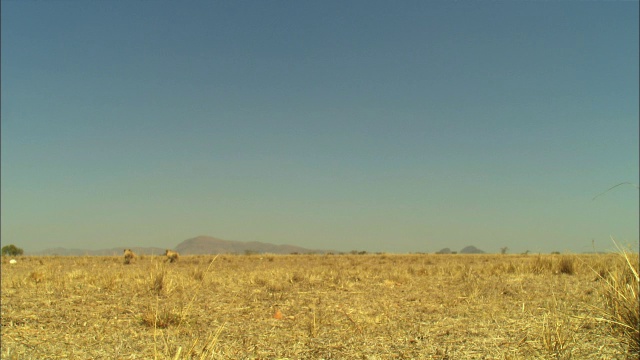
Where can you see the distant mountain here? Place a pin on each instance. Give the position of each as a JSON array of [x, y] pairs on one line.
[[471, 250], [210, 245], [444, 251]]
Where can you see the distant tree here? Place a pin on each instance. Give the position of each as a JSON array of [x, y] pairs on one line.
[[503, 250], [526, 252], [12, 250]]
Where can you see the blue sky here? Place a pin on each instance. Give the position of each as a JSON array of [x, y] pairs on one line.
[[371, 125]]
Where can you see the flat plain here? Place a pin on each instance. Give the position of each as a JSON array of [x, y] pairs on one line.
[[342, 306]]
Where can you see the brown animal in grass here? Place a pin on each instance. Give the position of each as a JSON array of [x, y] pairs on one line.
[[129, 256], [172, 256]]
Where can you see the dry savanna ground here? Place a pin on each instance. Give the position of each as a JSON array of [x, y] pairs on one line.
[[374, 306]]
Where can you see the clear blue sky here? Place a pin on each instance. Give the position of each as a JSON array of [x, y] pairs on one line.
[[371, 125]]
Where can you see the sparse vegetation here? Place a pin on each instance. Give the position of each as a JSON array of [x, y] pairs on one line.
[[321, 306]]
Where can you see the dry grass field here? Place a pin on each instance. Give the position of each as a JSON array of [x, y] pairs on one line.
[[316, 307]]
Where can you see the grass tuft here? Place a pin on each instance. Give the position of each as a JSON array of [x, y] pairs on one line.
[[621, 302], [566, 265], [541, 265], [160, 319]]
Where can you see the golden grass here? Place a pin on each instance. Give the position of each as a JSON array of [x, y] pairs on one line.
[[311, 307]]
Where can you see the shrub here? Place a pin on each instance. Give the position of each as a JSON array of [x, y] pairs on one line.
[[12, 250]]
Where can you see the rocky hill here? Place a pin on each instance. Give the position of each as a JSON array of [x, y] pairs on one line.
[[466, 250], [471, 250]]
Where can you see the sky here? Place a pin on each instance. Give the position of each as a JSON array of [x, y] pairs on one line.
[[371, 125]]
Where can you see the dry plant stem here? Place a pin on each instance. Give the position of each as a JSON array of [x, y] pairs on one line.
[[178, 353], [348, 317]]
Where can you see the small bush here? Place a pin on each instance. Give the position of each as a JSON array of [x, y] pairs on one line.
[[12, 250]]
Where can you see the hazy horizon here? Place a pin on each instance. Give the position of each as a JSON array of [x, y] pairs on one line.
[[615, 248], [359, 125]]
